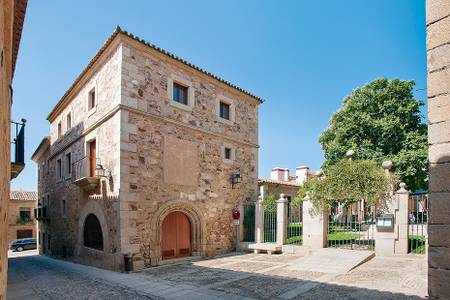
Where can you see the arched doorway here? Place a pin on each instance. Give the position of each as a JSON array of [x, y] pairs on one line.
[[176, 236], [92, 233]]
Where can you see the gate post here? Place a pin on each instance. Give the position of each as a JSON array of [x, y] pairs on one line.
[[259, 220], [281, 219], [401, 220], [315, 225]]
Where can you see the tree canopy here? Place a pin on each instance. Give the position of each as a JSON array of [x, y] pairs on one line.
[[350, 181], [381, 121]]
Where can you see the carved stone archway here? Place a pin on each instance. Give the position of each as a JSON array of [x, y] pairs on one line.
[[197, 228], [92, 207]]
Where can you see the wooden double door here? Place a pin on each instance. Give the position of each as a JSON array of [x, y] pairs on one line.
[[176, 236]]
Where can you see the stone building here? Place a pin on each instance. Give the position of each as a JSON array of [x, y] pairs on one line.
[[438, 49], [146, 159], [12, 14], [22, 223]]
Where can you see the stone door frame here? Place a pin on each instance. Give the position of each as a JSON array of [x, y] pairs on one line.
[[197, 228]]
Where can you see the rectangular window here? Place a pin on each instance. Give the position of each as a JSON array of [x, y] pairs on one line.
[[92, 100], [63, 208], [180, 93], [25, 214], [68, 163], [225, 110], [48, 166], [59, 130], [69, 121], [58, 168], [227, 153], [92, 158]]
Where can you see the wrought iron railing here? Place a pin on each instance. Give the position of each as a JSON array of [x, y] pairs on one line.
[[19, 141], [418, 222], [294, 224]]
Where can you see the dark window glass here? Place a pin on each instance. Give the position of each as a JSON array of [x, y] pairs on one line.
[[224, 110], [25, 215], [93, 237], [69, 163], [227, 153], [180, 93], [58, 168], [92, 99]]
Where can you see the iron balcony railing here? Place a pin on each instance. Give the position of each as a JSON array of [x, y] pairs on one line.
[[18, 141], [82, 168]]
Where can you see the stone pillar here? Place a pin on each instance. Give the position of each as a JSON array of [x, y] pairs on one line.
[[315, 225], [401, 220], [281, 219], [438, 49], [240, 230], [259, 220]]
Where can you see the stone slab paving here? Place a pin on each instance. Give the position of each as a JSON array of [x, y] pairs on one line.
[[240, 276]]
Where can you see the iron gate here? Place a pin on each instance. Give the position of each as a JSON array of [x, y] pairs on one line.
[[270, 222], [351, 226], [249, 223], [294, 224], [418, 223]]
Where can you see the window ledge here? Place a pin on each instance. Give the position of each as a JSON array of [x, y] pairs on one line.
[[181, 106], [225, 121], [228, 161], [92, 111]]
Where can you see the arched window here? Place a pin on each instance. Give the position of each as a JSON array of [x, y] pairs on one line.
[[93, 237]]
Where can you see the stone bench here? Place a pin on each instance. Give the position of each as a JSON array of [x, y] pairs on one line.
[[269, 247]]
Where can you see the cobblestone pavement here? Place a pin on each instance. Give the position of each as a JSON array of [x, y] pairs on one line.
[[238, 276]]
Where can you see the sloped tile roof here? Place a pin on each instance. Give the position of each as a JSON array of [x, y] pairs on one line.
[[142, 41], [23, 195]]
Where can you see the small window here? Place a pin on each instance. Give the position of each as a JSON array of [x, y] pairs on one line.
[[58, 168], [69, 121], [25, 214], [92, 100], [225, 110], [180, 93], [63, 207], [48, 166], [59, 129], [227, 153], [68, 166]]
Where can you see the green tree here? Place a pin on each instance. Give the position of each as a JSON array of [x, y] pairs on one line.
[[350, 181], [381, 121]]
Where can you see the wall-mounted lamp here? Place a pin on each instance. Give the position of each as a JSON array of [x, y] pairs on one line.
[[100, 171], [235, 179]]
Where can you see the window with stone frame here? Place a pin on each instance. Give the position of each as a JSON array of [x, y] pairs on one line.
[[92, 101], [224, 110], [68, 165], [69, 121], [227, 153], [180, 93], [58, 169], [59, 129], [92, 233], [25, 214]]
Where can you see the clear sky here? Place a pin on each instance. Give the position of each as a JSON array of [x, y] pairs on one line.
[[302, 57]]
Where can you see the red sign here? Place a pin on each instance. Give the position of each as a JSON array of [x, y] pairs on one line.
[[236, 214]]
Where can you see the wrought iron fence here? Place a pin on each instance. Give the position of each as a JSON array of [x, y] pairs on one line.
[[418, 222], [294, 224], [249, 223], [80, 168], [351, 227], [270, 223]]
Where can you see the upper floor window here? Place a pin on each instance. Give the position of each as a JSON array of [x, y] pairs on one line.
[[92, 99], [59, 129], [25, 214], [69, 121], [227, 153], [68, 166], [224, 110], [58, 168], [180, 93]]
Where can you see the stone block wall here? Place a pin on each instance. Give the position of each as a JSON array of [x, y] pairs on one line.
[[14, 213], [438, 49]]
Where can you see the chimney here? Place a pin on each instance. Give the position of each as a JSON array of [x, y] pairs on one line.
[[280, 174], [301, 174]]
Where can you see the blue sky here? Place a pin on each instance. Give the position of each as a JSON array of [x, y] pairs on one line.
[[302, 56]]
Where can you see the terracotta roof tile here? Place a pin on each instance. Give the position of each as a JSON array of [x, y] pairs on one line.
[[23, 195]]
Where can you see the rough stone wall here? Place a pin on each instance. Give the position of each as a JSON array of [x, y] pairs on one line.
[[149, 120], [6, 15], [438, 48], [14, 213], [102, 124]]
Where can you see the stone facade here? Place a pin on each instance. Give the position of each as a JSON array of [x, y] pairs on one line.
[[12, 13], [159, 155], [438, 48], [21, 215]]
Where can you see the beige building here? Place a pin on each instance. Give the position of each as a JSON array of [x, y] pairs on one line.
[[438, 49], [146, 159], [22, 223], [12, 14]]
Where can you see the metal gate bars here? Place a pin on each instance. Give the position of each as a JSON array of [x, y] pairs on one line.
[[294, 224], [417, 222]]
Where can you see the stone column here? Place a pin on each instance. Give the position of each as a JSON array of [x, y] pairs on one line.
[[315, 225], [438, 49], [281, 219], [401, 220], [259, 220], [240, 230]]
